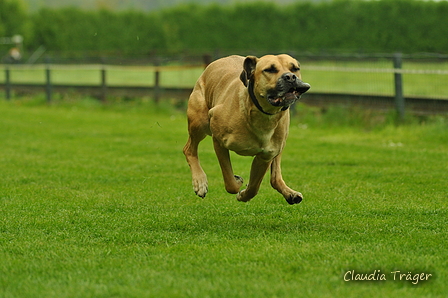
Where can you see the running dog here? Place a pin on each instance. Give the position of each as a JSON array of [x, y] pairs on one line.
[[242, 102]]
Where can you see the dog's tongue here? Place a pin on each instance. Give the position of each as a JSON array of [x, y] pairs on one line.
[[290, 96], [287, 99], [276, 101]]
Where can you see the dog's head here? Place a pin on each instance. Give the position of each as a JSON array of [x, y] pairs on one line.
[[276, 79]]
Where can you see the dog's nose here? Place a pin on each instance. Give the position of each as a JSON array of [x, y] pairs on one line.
[[289, 77], [303, 87]]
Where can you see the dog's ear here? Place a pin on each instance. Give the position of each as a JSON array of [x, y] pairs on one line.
[[248, 69]]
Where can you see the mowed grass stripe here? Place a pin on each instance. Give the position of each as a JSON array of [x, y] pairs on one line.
[[97, 202]]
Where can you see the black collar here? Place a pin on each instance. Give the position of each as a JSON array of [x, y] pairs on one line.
[[252, 96]]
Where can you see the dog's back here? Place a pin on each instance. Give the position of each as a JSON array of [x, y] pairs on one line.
[[221, 77]]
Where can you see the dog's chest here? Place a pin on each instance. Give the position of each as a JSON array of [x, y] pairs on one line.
[[246, 143], [244, 136]]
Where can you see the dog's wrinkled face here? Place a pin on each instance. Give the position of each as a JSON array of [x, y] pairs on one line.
[[277, 79]]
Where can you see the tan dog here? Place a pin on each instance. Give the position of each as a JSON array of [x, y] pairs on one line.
[[243, 104]]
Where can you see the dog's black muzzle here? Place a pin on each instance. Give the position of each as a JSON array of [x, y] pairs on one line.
[[289, 89]]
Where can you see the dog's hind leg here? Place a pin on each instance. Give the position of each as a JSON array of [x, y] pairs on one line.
[[277, 182], [232, 182], [198, 127]]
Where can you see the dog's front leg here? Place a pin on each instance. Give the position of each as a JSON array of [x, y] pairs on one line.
[[257, 172], [277, 182], [232, 182], [199, 178]]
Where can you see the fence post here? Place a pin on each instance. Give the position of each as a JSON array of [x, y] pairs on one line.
[[399, 99], [103, 84], [207, 59], [48, 80], [7, 84], [157, 82]]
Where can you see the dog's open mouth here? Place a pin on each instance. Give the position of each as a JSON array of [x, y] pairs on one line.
[[284, 99]]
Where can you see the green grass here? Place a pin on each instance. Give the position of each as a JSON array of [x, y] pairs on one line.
[[96, 201], [327, 81]]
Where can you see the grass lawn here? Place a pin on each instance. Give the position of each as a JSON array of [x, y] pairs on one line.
[[96, 201]]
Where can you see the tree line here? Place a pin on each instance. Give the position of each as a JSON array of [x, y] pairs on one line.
[[341, 25]]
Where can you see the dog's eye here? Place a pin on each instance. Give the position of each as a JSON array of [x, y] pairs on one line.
[[271, 69], [295, 69]]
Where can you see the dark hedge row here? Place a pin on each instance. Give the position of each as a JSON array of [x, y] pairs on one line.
[[344, 26]]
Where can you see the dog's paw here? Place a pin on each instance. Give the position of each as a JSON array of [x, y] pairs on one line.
[[234, 186], [200, 187], [294, 198], [240, 196], [239, 179], [201, 192], [244, 196]]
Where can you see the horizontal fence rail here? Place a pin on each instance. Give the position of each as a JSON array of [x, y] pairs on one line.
[[331, 84], [377, 70]]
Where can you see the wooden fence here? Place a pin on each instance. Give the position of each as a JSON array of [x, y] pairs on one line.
[[101, 89]]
